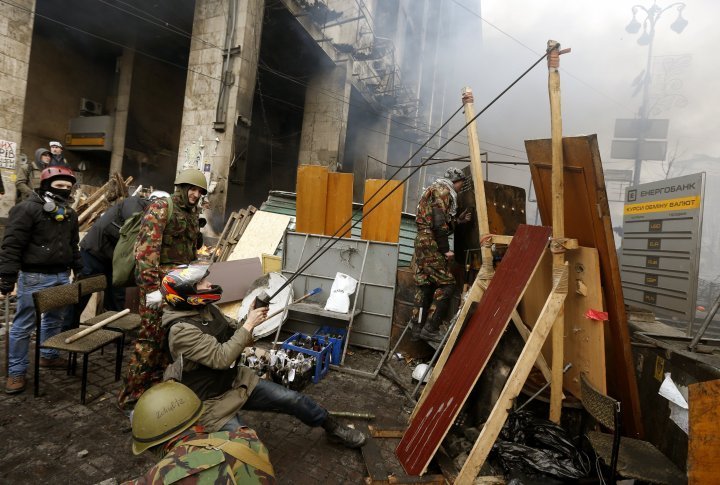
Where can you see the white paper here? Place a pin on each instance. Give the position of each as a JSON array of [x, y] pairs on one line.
[[678, 404]]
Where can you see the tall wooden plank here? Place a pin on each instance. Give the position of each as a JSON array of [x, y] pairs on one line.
[[584, 339], [703, 464], [473, 349], [338, 206], [587, 219], [312, 182], [383, 223]]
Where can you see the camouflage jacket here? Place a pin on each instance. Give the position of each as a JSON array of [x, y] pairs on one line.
[[164, 243], [27, 180], [186, 464], [433, 215]]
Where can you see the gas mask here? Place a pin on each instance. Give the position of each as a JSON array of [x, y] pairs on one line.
[[56, 210]]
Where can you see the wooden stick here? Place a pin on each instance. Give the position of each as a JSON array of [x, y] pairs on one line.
[[97, 326], [516, 380], [89, 211], [558, 222]]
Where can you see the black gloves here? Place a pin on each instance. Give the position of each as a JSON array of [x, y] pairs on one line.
[[7, 283]]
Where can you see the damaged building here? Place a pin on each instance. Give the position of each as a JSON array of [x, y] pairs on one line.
[[244, 91]]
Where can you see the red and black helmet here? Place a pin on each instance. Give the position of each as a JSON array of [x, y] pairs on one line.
[[179, 287], [58, 172]]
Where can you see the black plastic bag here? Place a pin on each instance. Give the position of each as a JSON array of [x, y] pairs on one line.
[[536, 445]]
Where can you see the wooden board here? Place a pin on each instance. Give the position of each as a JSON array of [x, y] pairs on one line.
[[703, 464], [584, 343], [383, 223], [587, 219], [235, 277], [338, 207], [262, 236], [271, 264], [473, 349], [312, 183], [491, 429]]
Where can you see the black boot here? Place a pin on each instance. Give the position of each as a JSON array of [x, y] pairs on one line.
[[423, 298], [431, 331], [338, 433]]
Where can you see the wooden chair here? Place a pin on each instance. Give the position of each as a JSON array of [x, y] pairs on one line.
[[626, 457], [124, 325], [60, 296]]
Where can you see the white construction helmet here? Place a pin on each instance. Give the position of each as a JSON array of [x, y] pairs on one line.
[[422, 371], [159, 194]]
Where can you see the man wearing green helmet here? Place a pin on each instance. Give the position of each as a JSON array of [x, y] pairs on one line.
[[167, 238], [165, 423]]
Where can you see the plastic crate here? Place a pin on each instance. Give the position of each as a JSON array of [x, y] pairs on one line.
[[322, 357], [337, 343]]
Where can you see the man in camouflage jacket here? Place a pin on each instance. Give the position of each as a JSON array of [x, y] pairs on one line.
[[435, 220], [185, 461], [163, 243]]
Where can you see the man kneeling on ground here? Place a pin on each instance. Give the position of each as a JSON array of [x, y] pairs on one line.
[[204, 345], [163, 424]]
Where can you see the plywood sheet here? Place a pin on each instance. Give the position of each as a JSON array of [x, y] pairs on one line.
[[312, 182], [584, 343], [338, 207], [587, 219], [235, 277], [383, 223], [263, 235], [473, 349], [703, 464], [271, 263]]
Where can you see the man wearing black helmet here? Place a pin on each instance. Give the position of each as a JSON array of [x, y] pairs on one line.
[[168, 235], [205, 345], [435, 219], [39, 249]]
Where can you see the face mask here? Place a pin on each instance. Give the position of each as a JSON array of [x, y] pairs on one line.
[[62, 193]]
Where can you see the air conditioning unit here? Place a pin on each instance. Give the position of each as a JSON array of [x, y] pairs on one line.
[[90, 107]]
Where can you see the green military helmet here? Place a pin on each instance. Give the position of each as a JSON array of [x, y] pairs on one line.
[[192, 176], [163, 411]]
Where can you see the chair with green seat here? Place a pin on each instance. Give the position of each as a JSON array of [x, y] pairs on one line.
[[57, 297], [626, 457], [124, 324]]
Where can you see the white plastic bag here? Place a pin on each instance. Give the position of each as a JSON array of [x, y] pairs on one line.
[[343, 286]]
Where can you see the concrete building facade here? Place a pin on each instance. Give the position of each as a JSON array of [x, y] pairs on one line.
[[244, 91]]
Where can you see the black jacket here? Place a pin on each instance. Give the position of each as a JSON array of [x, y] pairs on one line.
[[35, 242], [102, 237]]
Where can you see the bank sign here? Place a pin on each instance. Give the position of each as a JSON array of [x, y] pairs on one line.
[[661, 246]]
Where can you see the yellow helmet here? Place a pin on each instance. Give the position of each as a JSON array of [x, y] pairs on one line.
[[163, 411], [192, 176]]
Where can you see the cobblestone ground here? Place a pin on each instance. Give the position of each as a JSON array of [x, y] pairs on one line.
[[54, 439]]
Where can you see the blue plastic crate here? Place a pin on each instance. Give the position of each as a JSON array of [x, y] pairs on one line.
[[322, 357], [337, 343]]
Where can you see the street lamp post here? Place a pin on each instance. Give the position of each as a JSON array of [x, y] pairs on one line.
[[652, 15]]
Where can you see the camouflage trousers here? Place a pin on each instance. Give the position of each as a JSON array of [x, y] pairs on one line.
[[149, 358], [435, 283]]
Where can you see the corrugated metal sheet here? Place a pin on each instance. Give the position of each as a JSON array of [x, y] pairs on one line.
[[284, 203]]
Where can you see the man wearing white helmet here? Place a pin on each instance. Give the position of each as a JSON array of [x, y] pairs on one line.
[[168, 237], [57, 158], [96, 248]]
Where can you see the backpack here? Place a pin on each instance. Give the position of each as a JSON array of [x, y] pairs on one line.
[[123, 263]]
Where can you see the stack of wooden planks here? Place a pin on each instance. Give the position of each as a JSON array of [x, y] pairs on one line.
[[234, 229], [90, 207]]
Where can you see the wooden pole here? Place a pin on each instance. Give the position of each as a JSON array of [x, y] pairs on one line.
[[558, 223], [478, 184], [97, 326]]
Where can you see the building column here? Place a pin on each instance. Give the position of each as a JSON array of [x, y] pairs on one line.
[[122, 106], [325, 118], [16, 28], [216, 122]]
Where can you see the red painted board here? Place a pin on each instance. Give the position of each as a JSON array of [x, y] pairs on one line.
[[473, 349]]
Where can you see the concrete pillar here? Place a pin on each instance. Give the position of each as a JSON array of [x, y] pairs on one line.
[[372, 145], [122, 106], [16, 27], [201, 144], [325, 118]]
